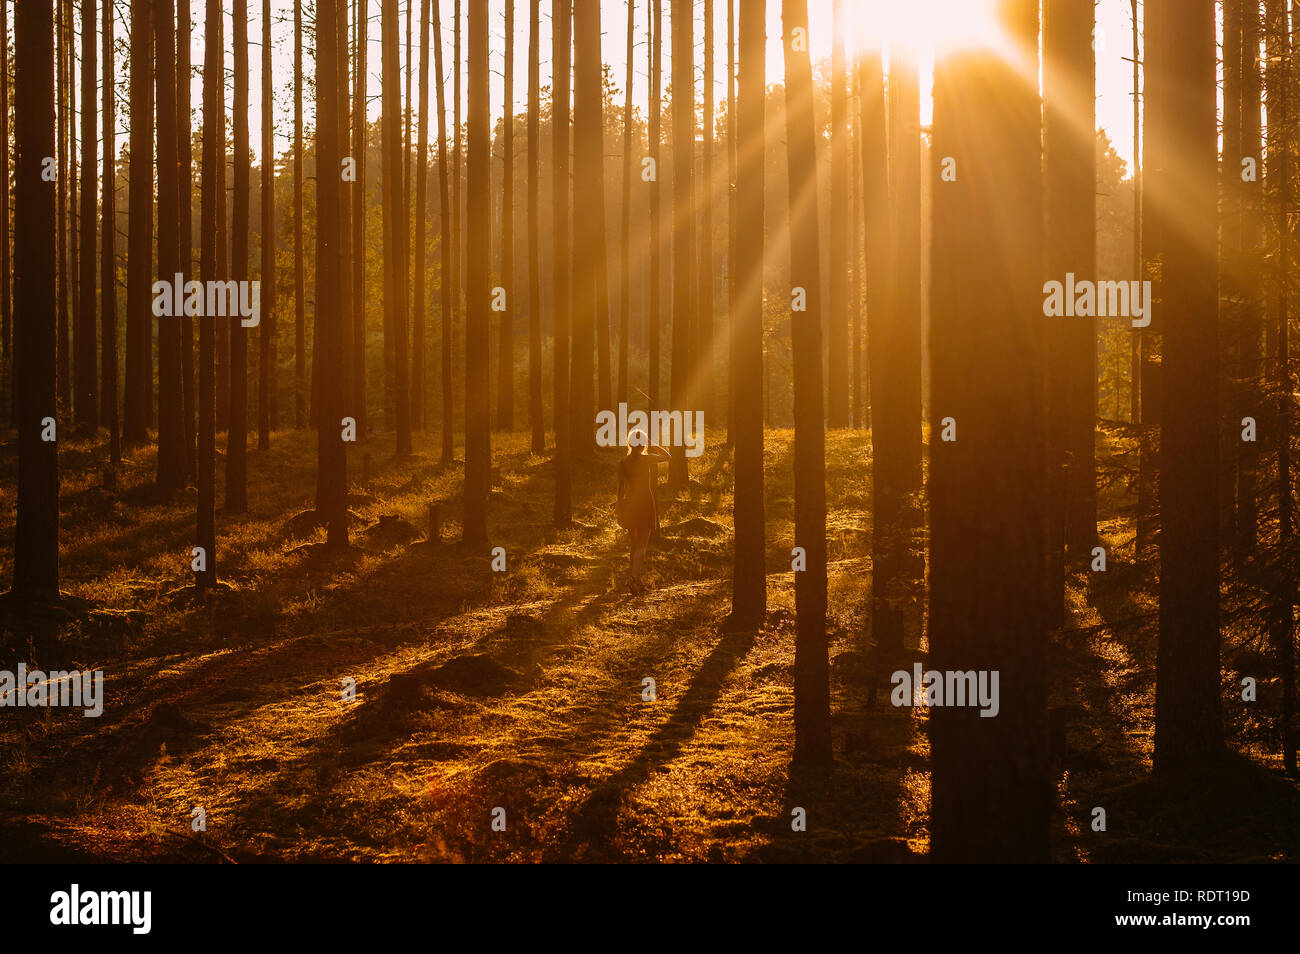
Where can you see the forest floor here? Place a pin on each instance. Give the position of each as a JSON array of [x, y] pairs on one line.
[[523, 690]]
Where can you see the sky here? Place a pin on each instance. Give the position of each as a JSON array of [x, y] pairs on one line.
[[874, 21]]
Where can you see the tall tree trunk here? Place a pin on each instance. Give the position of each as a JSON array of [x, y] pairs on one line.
[[702, 349], [445, 240], [421, 209], [360, 126], [478, 447], [1188, 724], [991, 794], [171, 425], [1234, 277], [139, 262], [749, 587], [36, 537], [905, 301], [185, 153], [299, 271], [87, 404], [732, 237], [237, 432], [6, 300], [1135, 346], [108, 246], [331, 451], [212, 214], [656, 200], [625, 226], [457, 181], [683, 226], [347, 187], [397, 253], [812, 717], [561, 38], [61, 119], [837, 324], [891, 436], [266, 359], [589, 278], [535, 419], [1283, 630], [1070, 181], [87, 390], [506, 354]]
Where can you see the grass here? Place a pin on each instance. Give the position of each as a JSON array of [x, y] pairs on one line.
[[523, 690]]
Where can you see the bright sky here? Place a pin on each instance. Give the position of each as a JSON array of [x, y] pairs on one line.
[[917, 20]]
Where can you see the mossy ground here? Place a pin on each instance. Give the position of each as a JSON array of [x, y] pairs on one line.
[[522, 690]]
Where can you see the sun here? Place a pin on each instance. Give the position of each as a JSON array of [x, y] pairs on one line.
[[926, 25]]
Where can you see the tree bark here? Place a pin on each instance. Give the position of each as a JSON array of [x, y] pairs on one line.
[[812, 726], [478, 447], [749, 588], [36, 537]]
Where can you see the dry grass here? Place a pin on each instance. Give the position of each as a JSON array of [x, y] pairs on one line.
[[519, 690]]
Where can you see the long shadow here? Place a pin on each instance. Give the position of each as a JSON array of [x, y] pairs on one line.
[[597, 817]]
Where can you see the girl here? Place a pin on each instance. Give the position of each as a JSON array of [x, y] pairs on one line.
[[637, 512]]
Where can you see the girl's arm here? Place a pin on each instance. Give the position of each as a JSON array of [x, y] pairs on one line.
[[657, 452]]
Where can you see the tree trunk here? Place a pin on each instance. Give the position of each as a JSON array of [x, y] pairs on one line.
[[171, 425], [396, 252], [87, 403], [421, 209], [991, 794], [561, 34], [237, 431], [683, 226], [445, 281], [1070, 177], [185, 153], [506, 352], [655, 46], [212, 213], [535, 418], [331, 451], [890, 428], [360, 138], [36, 537], [139, 262], [812, 717], [703, 348], [108, 247], [749, 588], [1188, 724], [266, 360], [478, 448], [589, 279], [837, 324], [6, 306], [64, 318], [346, 256], [625, 226], [299, 271]]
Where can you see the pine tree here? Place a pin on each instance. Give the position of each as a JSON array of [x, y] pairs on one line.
[[478, 447], [812, 728], [749, 590], [36, 537]]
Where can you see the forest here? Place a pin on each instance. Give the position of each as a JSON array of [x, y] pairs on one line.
[[628, 431]]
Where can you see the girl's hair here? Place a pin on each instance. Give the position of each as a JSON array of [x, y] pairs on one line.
[[637, 442]]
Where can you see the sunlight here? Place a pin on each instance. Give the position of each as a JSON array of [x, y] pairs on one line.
[[927, 24]]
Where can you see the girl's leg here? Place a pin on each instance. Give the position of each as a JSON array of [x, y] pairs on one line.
[[638, 553]]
